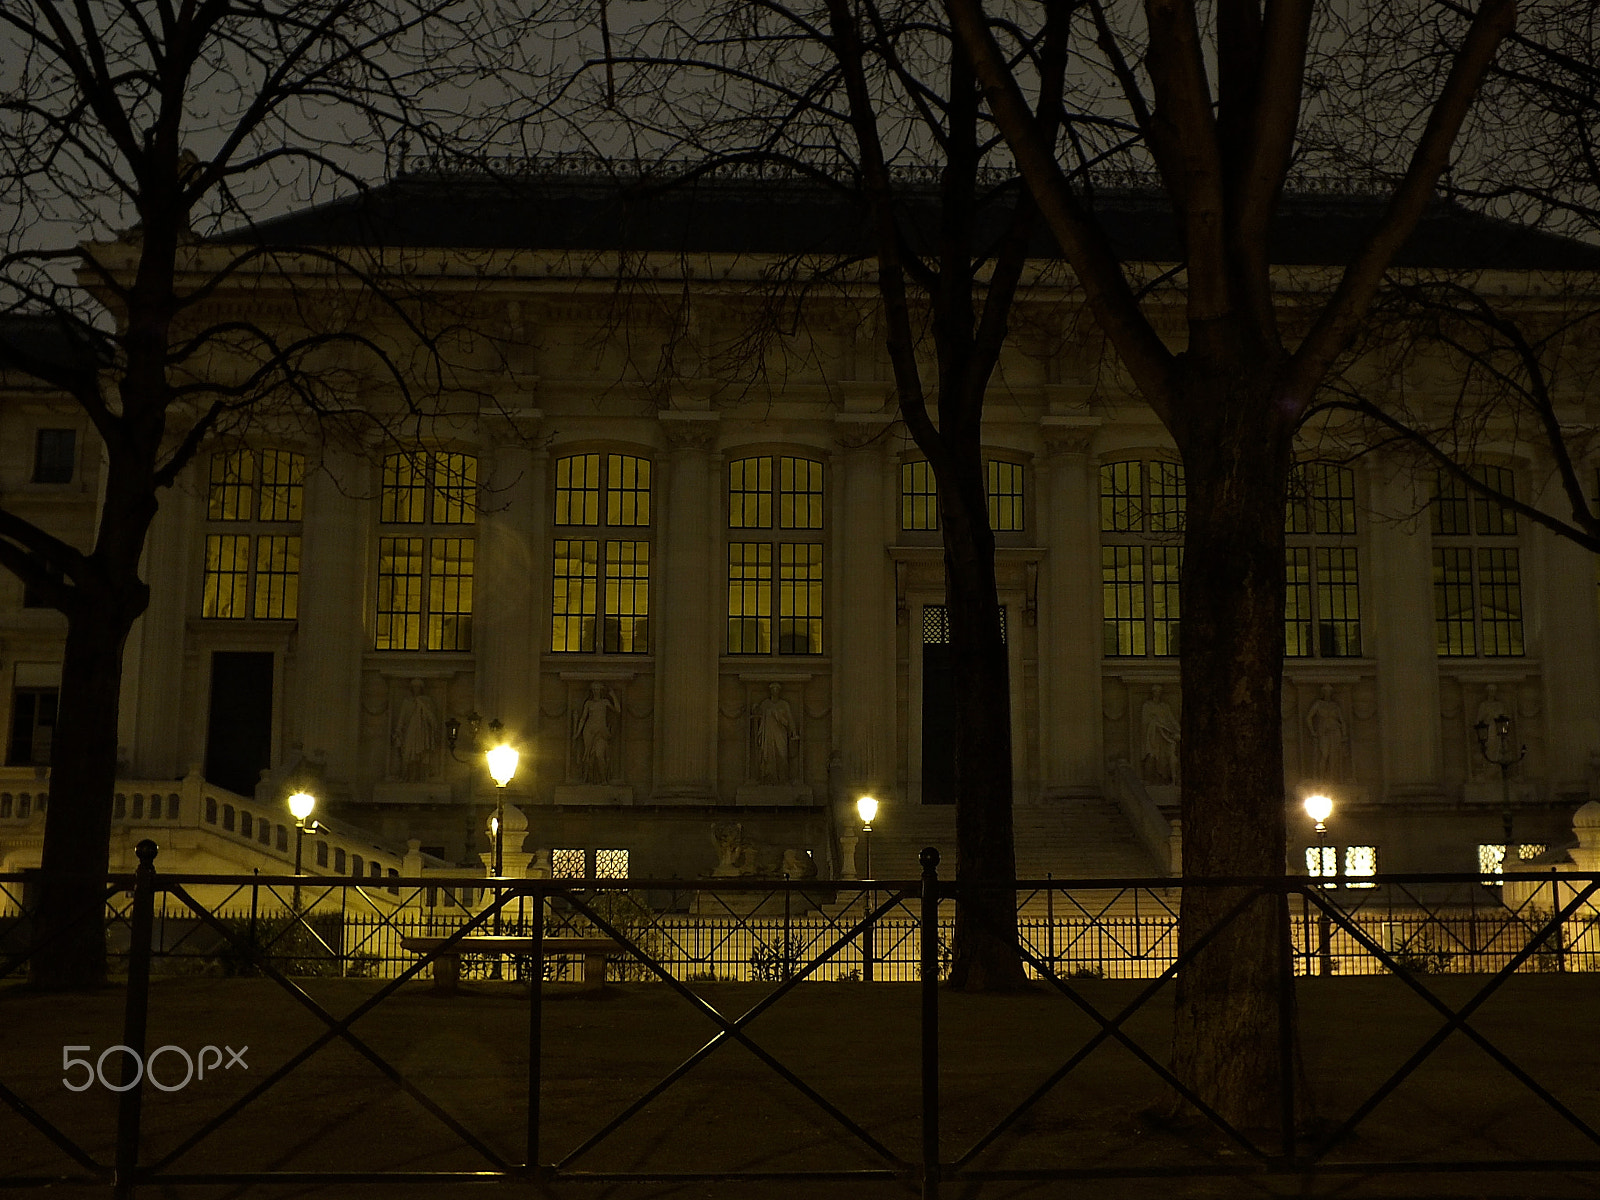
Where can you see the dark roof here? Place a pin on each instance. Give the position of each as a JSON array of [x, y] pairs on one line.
[[30, 340], [795, 216]]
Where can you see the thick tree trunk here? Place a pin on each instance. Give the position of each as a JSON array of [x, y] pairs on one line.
[[77, 839], [1229, 1028], [985, 951]]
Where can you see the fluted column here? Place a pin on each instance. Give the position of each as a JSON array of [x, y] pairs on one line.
[[1071, 733], [507, 625], [332, 631], [685, 614], [1399, 601], [160, 736]]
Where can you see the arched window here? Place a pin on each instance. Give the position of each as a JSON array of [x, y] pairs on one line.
[[1477, 570], [427, 505], [775, 508], [1322, 609], [254, 506], [600, 600], [1141, 555]]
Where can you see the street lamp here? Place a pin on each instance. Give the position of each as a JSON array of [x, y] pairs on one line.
[[301, 805], [1505, 759], [867, 807], [502, 759], [1318, 808]]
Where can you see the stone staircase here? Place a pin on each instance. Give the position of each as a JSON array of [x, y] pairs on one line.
[[1077, 838]]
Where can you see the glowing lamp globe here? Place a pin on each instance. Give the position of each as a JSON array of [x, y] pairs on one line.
[[301, 804], [1318, 807], [502, 764], [868, 808]]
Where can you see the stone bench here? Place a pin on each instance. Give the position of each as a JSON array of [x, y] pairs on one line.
[[447, 966]]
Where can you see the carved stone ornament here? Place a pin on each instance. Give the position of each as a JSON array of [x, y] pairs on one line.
[[689, 431]]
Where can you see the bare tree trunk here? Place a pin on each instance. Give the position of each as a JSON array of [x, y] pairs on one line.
[[985, 954], [77, 841], [1228, 1030]]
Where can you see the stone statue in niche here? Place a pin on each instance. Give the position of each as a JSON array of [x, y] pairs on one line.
[[1491, 709], [776, 733], [416, 736], [1329, 737], [592, 731], [1159, 754]]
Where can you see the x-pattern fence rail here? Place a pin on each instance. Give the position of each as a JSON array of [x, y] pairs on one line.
[[886, 920]]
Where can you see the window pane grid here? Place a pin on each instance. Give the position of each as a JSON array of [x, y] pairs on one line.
[[919, 501], [227, 579], [231, 489], [1338, 603], [455, 489], [578, 490], [749, 597], [800, 598], [1122, 598], [277, 577], [399, 611], [1167, 496], [1500, 601], [1488, 517], [1297, 616], [750, 493], [610, 864], [799, 493], [576, 577], [404, 492], [1166, 565], [1005, 480], [627, 592], [1122, 497], [627, 490], [282, 485], [450, 593], [1454, 633]]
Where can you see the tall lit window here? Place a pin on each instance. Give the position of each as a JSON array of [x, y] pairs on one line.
[[919, 497], [601, 594], [1322, 610], [1477, 572], [428, 504], [1141, 554], [775, 507], [254, 506], [1004, 485]]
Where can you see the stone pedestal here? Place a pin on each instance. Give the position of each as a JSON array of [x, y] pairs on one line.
[[783, 795], [592, 793], [847, 856]]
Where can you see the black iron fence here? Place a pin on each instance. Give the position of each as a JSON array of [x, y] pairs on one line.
[[1409, 928]]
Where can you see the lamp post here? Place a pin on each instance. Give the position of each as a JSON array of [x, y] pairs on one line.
[[867, 808], [301, 805], [1505, 759], [1318, 808], [502, 760]]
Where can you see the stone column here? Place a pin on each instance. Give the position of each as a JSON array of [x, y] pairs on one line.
[[860, 603], [507, 623], [1397, 627], [686, 608], [1561, 631], [154, 725], [332, 629], [1071, 734]]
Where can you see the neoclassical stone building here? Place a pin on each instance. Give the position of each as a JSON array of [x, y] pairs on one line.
[[660, 521]]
